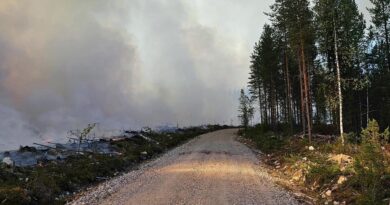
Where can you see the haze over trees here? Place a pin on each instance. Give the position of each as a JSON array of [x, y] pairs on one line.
[[320, 66]]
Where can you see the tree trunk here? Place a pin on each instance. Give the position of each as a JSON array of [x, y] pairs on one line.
[[306, 91], [265, 105], [360, 110], [338, 85], [367, 107], [274, 108], [289, 97], [303, 121], [260, 105]]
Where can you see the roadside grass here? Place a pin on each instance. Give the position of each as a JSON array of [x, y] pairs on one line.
[[356, 173], [56, 182]]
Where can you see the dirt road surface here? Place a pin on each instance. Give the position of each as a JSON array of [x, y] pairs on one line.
[[212, 169]]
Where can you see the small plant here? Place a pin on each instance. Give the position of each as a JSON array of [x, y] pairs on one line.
[[267, 141], [82, 134], [323, 173], [369, 166], [386, 135]]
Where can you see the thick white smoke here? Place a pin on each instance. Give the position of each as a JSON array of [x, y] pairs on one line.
[[124, 64]]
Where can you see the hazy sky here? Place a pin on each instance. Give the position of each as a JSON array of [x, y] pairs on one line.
[[122, 63]]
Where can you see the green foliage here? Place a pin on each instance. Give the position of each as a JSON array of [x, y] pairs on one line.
[[368, 172], [42, 187], [325, 129], [324, 172], [370, 167], [14, 196], [347, 148], [267, 141], [245, 110], [300, 31], [372, 133], [386, 135]]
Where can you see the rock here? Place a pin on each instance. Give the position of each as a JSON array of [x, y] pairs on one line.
[[328, 193], [311, 148], [341, 180], [336, 203], [304, 159], [8, 161]]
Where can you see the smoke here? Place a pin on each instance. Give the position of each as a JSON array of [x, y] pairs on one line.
[[123, 64]]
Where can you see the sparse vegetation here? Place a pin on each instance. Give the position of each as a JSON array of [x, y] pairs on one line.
[[55, 182], [357, 173]]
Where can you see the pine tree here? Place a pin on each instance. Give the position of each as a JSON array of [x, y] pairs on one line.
[[246, 109], [295, 17], [255, 81], [380, 15], [292, 82], [379, 62], [264, 75]]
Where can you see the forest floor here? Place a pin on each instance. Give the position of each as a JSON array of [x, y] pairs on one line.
[[213, 168], [325, 171]]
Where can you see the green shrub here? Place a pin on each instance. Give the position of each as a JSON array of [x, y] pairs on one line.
[[325, 129], [369, 166], [14, 195], [323, 173], [348, 147], [42, 187], [266, 140], [386, 135]]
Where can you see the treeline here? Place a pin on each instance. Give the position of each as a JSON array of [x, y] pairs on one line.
[[317, 59]]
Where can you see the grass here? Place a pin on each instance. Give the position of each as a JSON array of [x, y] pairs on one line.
[[368, 175], [323, 173]]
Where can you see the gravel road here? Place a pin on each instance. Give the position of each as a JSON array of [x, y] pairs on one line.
[[212, 169]]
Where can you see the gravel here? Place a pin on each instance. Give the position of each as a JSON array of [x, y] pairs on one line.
[[213, 169]]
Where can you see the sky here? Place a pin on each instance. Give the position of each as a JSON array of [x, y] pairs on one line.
[[124, 64]]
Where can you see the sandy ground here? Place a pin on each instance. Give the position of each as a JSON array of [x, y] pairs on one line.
[[212, 169]]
